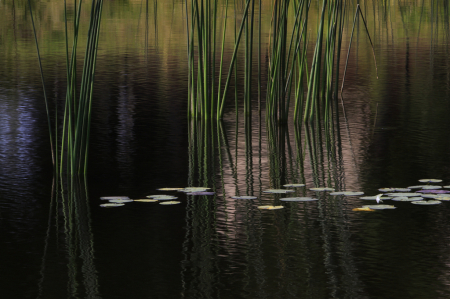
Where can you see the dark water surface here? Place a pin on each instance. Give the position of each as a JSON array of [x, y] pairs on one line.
[[64, 245]]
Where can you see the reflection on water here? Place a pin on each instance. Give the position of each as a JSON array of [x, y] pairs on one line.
[[62, 244]]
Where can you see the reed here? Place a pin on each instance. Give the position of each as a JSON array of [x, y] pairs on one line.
[[71, 154]]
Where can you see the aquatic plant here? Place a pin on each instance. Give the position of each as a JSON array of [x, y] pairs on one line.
[[71, 154]]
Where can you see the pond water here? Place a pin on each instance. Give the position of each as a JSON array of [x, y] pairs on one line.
[[60, 244]]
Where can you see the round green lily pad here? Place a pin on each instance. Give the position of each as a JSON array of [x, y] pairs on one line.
[[282, 191], [347, 193], [298, 199], [194, 189], [380, 207], [146, 200], [443, 197], [120, 200], [429, 195], [201, 193], [170, 189], [162, 197], [430, 181], [446, 187], [113, 197], [169, 203], [403, 194], [403, 198], [416, 187], [430, 187], [429, 202], [402, 189], [244, 197], [294, 185], [375, 197], [322, 189], [111, 205], [387, 189], [270, 207]]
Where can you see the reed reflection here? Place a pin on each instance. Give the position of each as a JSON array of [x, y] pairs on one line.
[[70, 216]]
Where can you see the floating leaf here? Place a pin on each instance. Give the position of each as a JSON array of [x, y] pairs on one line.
[[120, 200], [402, 189], [244, 197], [111, 205], [298, 199], [194, 189], [447, 187], [429, 195], [430, 187], [162, 197], [322, 189], [146, 200], [201, 193], [270, 207], [387, 189], [363, 209], [347, 193], [375, 197], [401, 198], [380, 207], [443, 197], [416, 187], [170, 189], [435, 191], [294, 185], [430, 181], [113, 197], [429, 202], [403, 194], [169, 202], [283, 191]]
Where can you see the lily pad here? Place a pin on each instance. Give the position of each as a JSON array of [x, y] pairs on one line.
[[430, 181], [429, 195], [270, 207], [375, 197], [194, 189], [294, 185], [146, 200], [387, 189], [120, 200], [402, 198], [162, 197], [435, 191], [403, 194], [431, 187], [111, 205], [282, 191], [298, 199], [244, 197], [170, 189], [447, 187], [380, 207], [113, 197], [347, 193], [442, 197], [169, 203], [322, 189], [416, 187], [429, 202], [402, 189], [364, 209]]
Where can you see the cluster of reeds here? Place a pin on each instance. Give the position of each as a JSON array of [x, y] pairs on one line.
[[70, 150]]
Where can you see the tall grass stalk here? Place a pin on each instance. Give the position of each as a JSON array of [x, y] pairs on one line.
[[78, 103]]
